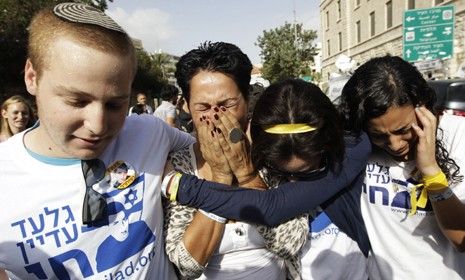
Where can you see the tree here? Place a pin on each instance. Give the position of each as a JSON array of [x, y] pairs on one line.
[[15, 16], [150, 76], [287, 51]]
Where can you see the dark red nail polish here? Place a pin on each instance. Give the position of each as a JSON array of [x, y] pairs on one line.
[[216, 116], [208, 122], [223, 109], [218, 130], [213, 134], [216, 109]]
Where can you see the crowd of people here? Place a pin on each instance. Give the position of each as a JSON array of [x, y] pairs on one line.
[[288, 186]]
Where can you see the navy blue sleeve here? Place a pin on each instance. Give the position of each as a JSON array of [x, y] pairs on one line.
[[274, 206], [344, 211]]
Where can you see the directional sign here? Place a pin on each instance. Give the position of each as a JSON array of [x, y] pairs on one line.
[[428, 33]]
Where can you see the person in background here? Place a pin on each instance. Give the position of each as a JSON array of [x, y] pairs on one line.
[[138, 109], [212, 76], [167, 109], [183, 116], [142, 100], [17, 115], [413, 200]]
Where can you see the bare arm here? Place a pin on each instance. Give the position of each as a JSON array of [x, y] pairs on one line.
[[190, 243], [450, 215], [170, 121], [449, 212]]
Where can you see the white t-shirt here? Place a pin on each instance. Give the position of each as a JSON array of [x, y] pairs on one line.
[[410, 247], [148, 110], [42, 235], [165, 110], [329, 253]]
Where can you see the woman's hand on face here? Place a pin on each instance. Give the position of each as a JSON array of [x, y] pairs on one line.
[[426, 147], [212, 152], [237, 154]]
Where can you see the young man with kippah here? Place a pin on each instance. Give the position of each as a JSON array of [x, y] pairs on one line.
[[68, 210], [82, 188]]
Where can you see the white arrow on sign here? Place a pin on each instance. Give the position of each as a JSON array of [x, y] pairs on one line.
[[409, 19], [408, 52], [447, 31]]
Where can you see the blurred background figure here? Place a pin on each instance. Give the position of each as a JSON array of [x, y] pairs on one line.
[[183, 116], [137, 109], [142, 100], [167, 109], [17, 115]]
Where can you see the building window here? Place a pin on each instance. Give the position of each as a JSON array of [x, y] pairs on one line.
[[436, 2], [410, 4], [327, 19], [339, 37], [372, 24], [339, 9], [328, 48], [358, 30], [389, 14]]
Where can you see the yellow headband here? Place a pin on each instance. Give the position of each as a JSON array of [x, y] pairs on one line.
[[288, 128]]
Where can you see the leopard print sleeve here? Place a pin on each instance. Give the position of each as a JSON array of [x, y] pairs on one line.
[[176, 220], [286, 239]]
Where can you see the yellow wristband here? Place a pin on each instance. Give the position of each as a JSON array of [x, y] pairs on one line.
[[174, 186], [435, 182]]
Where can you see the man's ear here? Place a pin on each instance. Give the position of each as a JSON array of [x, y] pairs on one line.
[[30, 77], [4, 113]]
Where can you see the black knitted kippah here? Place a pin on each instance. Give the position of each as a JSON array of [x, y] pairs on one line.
[[82, 13]]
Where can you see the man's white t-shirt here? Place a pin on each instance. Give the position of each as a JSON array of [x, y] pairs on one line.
[[165, 110], [410, 247], [41, 231]]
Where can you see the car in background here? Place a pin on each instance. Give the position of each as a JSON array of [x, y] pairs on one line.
[[450, 96]]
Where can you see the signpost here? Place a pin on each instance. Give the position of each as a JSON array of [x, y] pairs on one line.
[[428, 33]]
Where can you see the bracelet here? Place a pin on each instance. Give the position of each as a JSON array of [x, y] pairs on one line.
[[166, 180], [435, 197], [174, 186], [436, 182], [214, 217]]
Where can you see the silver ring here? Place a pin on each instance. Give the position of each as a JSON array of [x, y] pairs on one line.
[[236, 135]]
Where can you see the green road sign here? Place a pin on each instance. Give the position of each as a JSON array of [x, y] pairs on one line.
[[428, 33]]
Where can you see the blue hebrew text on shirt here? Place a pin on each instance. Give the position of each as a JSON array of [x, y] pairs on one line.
[[122, 235], [382, 189], [320, 222]]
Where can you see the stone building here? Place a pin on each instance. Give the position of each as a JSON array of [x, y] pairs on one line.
[[362, 29]]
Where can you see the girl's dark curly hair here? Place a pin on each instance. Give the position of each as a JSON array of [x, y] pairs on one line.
[[382, 83]]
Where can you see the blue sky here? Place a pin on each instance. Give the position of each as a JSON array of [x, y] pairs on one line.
[[177, 26]]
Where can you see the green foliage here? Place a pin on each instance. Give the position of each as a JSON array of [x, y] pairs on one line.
[[151, 74], [15, 16], [287, 51]]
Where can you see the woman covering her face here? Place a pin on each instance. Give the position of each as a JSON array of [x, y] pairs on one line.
[[214, 79]]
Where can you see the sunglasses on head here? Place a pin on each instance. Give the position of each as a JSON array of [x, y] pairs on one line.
[[95, 205], [309, 175]]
